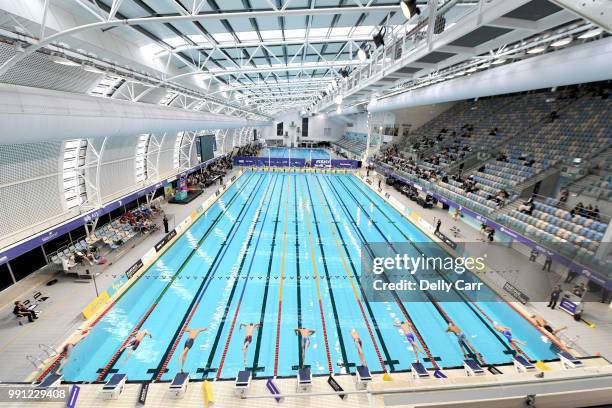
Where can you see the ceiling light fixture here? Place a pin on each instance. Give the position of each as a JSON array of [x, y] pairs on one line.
[[537, 50], [92, 68], [409, 8], [499, 61], [64, 61], [339, 110], [590, 34], [473, 69], [379, 38], [562, 42]]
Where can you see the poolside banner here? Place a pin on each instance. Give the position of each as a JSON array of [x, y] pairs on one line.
[[72, 398], [165, 240], [345, 164], [516, 293], [321, 163], [133, 269], [142, 394], [95, 305], [336, 387]]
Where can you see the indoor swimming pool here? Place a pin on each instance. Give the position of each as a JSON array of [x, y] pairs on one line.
[[282, 250]]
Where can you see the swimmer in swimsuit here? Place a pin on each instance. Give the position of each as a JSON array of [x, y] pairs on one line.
[[192, 334], [410, 337], [507, 333], [304, 341], [359, 345], [541, 322], [462, 340], [249, 329], [69, 346], [134, 342]]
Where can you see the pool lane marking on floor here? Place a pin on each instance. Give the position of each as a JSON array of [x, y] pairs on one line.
[[161, 368], [262, 315], [245, 283], [402, 308], [469, 302], [280, 288], [118, 353], [440, 310], [332, 297], [110, 306], [353, 286], [298, 286], [318, 286]]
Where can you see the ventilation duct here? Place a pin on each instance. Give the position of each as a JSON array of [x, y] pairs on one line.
[[33, 114]]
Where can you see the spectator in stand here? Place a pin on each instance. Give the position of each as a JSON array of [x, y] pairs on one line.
[[564, 195], [527, 207]]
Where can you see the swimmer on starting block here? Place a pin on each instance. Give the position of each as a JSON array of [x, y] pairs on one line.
[[410, 337], [462, 340], [249, 329], [192, 334], [134, 342], [304, 340], [69, 346], [359, 345], [507, 332]]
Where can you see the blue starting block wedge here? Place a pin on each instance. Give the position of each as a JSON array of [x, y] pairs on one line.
[[51, 381], [114, 386], [439, 374], [178, 386], [472, 368], [274, 390], [243, 381], [419, 371], [522, 365], [363, 377], [569, 361], [304, 380]]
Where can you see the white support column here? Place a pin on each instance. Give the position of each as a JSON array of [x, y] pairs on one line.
[[366, 157], [606, 243]]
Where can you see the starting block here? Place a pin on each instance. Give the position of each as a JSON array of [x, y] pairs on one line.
[[114, 387], [472, 368], [569, 361], [363, 376], [419, 371], [178, 386], [50, 381], [522, 365], [243, 381], [304, 380]]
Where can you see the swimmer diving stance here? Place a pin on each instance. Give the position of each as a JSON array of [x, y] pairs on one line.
[[359, 345], [304, 341], [69, 346], [463, 341], [249, 329], [134, 342], [507, 332], [192, 334], [410, 337]]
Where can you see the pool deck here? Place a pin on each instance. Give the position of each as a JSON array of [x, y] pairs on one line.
[[61, 315], [559, 388]]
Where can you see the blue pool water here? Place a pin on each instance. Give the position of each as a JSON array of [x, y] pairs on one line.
[[296, 153], [283, 250]]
